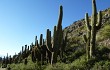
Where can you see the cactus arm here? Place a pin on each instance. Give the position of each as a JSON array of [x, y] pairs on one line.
[[38, 46], [54, 37], [60, 18], [35, 40], [99, 20], [43, 42], [94, 9], [41, 38], [87, 22], [48, 42]]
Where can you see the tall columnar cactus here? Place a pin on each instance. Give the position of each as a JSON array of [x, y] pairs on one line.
[[57, 38], [25, 49], [64, 42], [10, 59], [42, 49], [36, 41], [92, 29], [48, 40], [41, 39], [88, 37], [4, 62], [59, 32], [7, 59], [22, 49], [31, 46], [32, 55], [28, 48], [43, 42], [48, 45]]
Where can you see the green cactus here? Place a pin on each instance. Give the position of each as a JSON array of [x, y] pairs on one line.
[[7, 60], [10, 59], [88, 37], [33, 57], [25, 49], [28, 48], [57, 39], [4, 62], [42, 49], [92, 30], [43, 42], [36, 41], [48, 45], [48, 40], [31, 46], [41, 39], [22, 49], [64, 42]]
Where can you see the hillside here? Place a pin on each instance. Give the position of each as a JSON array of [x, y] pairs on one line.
[[72, 56], [78, 28]]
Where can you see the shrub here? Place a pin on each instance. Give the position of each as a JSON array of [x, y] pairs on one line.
[[102, 65], [104, 33]]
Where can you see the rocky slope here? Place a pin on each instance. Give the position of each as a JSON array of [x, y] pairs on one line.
[[76, 30]]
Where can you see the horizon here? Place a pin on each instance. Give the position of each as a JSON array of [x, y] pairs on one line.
[[21, 21]]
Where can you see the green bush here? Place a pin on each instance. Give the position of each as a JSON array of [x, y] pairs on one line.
[[104, 33], [58, 66], [102, 65]]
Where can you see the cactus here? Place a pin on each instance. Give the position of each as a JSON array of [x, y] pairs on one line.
[[41, 39], [48, 40], [31, 46], [10, 59], [88, 37], [48, 45], [22, 49], [28, 48], [58, 36], [42, 49], [4, 62], [63, 45], [92, 30], [25, 49], [57, 39], [7, 59], [36, 41]]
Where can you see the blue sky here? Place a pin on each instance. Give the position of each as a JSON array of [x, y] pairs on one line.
[[22, 20]]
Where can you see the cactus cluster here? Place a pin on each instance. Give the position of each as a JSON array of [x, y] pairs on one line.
[[44, 51], [6, 60], [92, 29], [49, 49]]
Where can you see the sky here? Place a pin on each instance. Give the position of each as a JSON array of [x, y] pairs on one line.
[[22, 20]]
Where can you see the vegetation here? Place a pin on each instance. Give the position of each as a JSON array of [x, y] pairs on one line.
[[67, 50]]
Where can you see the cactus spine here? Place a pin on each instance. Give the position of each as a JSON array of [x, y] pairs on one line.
[[92, 30]]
